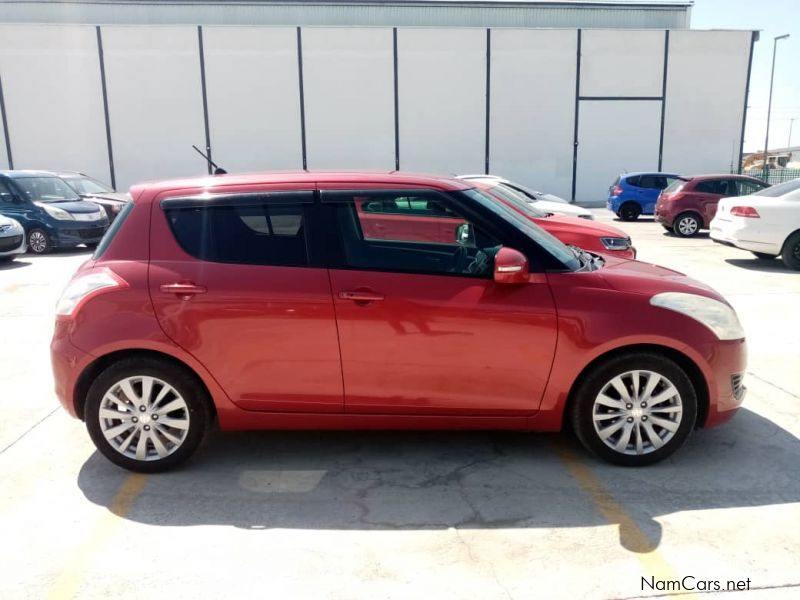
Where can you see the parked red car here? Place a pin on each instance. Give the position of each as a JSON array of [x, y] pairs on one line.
[[689, 204], [589, 235], [263, 302]]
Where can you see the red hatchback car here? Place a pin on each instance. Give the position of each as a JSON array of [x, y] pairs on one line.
[[690, 203], [264, 302]]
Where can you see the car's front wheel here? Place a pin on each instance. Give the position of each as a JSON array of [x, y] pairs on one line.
[[146, 415], [634, 409], [39, 241], [791, 251], [686, 225]]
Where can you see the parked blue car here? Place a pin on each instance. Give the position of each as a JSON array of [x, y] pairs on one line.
[[50, 212], [634, 194]]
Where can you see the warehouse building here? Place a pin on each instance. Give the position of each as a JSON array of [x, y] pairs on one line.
[[562, 96]]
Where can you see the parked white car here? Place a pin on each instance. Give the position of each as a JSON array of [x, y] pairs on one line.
[[544, 202], [766, 223], [12, 239]]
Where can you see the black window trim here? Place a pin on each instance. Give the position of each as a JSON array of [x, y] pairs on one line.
[[239, 199]]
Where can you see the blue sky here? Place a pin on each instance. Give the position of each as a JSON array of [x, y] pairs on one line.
[[772, 17]]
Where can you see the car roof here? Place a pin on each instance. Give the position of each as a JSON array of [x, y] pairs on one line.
[[722, 176], [16, 174], [637, 173], [395, 178]]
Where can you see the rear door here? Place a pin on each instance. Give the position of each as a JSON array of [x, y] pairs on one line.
[[423, 328], [707, 194], [236, 282], [651, 186]]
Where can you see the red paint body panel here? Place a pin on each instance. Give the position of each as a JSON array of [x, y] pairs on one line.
[[278, 347]]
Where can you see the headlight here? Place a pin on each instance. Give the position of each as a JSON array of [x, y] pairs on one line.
[[616, 243], [717, 316], [57, 213]]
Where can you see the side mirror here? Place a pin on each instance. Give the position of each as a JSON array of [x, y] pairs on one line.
[[465, 236], [510, 266]]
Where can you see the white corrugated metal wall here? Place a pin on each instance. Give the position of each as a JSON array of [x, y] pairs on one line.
[[347, 112]]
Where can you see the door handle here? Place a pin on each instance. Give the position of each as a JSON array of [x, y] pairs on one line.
[[183, 289], [360, 296]]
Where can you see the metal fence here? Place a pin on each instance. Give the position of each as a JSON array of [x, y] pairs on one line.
[[773, 176]]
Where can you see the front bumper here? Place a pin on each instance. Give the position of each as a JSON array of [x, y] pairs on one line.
[[726, 365], [78, 233], [11, 245]]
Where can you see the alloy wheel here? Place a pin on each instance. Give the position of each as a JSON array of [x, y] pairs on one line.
[[637, 412], [37, 241], [688, 226], [144, 418]]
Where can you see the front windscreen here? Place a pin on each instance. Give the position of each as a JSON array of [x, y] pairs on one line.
[[46, 189]]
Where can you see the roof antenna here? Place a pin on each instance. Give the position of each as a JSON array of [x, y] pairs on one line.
[[217, 169]]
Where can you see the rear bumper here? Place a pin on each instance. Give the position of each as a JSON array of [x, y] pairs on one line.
[[664, 216], [743, 233], [68, 362]]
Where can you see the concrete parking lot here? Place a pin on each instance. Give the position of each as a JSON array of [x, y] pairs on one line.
[[407, 515]]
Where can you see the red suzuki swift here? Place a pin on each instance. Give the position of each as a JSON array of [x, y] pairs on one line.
[[270, 301]]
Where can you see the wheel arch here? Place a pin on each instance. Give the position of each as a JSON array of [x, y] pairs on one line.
[[97, 366], [786, 239], [682, 360]]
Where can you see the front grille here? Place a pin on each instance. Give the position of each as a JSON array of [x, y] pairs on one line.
[[737, 384], [10, 243], [93, 233]]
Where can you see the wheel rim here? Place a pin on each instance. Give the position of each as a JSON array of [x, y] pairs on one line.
[[637, 412], [629, 212], [144, 418], [37, 241], [687, 225]]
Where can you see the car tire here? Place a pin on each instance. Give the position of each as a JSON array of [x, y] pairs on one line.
[[629, 211], [791, 251], [39, 241], [763, 256], [164, 430], [687, 224], [644, 396]]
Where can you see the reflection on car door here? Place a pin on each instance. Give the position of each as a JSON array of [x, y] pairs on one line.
[[422, 329]]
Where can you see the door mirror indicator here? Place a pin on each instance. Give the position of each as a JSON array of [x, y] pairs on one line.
[[510, 266]]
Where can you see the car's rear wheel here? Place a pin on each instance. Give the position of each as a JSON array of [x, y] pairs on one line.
[[629, 211], [791, 251], [763, 256], [686, 225], [634, 409], [146, 415], [39, 241]]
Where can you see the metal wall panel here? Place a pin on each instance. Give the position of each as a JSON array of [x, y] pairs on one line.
[[253, 97], [51, 85], [614, 138], [155, 102], [442, 82], [532, 100], [617, 64], [348, 78], [706, 82]]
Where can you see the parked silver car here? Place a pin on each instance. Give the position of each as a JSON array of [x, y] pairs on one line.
[[12, 239]]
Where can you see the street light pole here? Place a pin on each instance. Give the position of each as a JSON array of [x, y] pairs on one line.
[[769, 104]]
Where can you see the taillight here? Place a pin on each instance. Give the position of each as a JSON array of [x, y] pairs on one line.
[[84, 286], [617, 191], [745, 211]]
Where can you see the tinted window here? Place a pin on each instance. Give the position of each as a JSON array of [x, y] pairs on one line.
[[434, 238], [676, 185], [5, 194], [247, 233], [748, 187], [714, 186], [780, 189], [654, 182], [633, 180]]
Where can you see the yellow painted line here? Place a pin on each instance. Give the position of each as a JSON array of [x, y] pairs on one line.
[[631, 535], [69, 582]]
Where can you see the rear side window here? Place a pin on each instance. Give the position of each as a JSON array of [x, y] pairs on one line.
[[634, 180], [112, 231], [749, 187], [252, 233], [711, 187], [653, 182], [675, 186]]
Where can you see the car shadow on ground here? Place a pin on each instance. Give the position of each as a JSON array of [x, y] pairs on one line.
[[757, 264], [438, 480], [8, 265]]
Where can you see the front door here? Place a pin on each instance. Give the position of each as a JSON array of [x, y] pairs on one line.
[[424, 329], [234, 282]]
